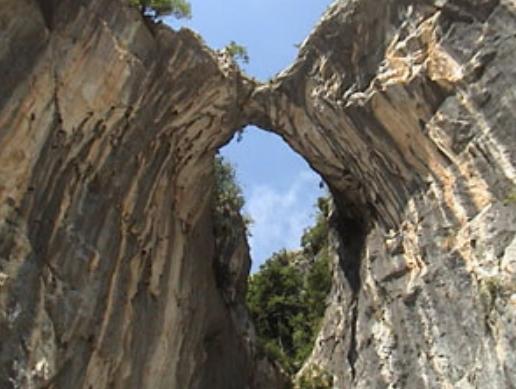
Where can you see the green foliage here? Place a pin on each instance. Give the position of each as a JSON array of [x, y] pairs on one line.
[[237, 52], [229, 224], [511, 197], [315, 238], [156, 8], [489, 288], [318, 284], [272, 292], [228, 194], [271, 350], [287, 304], [277, 309], [315, 378], [228, 201]]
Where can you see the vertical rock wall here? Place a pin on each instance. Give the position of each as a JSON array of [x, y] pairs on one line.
[[108, 127], [406, 108]]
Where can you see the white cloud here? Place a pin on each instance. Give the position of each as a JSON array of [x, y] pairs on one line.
[[280, 216]]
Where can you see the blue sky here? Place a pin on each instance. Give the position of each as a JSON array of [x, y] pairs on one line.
[[279, 187]]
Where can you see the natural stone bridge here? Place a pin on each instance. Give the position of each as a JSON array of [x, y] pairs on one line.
[[108, 128]]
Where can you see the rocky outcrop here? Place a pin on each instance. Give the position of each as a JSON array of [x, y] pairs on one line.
[[108, 128], [404, 107]]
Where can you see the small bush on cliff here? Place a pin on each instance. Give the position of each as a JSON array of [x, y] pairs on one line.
[[511, 197], [156, 8], [315, 378], [237, 52], [316, 237], [228, 202]]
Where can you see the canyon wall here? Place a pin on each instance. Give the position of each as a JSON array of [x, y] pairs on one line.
[[108, 128], [406, 108]]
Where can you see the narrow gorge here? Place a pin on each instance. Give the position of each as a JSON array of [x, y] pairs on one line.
[[109, 125]]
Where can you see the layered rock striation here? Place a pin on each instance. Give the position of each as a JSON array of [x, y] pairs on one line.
[[406, 110], [108, 128], [109, 124]]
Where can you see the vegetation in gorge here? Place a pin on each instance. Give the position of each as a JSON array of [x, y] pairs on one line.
[[156, 8], [228, 200], [230, 224], [286, 298]]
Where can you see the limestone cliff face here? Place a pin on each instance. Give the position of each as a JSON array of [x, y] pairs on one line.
[[406, 108], [108, 128]]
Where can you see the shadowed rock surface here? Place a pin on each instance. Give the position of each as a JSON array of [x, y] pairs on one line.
[[108, 129]]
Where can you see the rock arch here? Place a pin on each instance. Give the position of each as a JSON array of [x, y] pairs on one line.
[[107, 133]]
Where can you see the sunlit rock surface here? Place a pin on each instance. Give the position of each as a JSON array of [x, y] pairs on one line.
[[407, 110], [107, 133], [108, 127]]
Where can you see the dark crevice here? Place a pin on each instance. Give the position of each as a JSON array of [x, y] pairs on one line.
[[351, 234], [47, 8], [353, 352]]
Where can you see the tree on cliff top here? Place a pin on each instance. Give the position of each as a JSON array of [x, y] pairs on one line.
[[237, 52], [156, 8]]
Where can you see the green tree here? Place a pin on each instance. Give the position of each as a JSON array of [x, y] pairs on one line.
[[229, 199], [275, 304], [229, 223], [316, 237], [228, 204], [156, 8], [237, 52], [287, 303]]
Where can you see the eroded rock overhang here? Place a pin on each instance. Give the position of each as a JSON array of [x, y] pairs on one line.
[[384, 97]]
